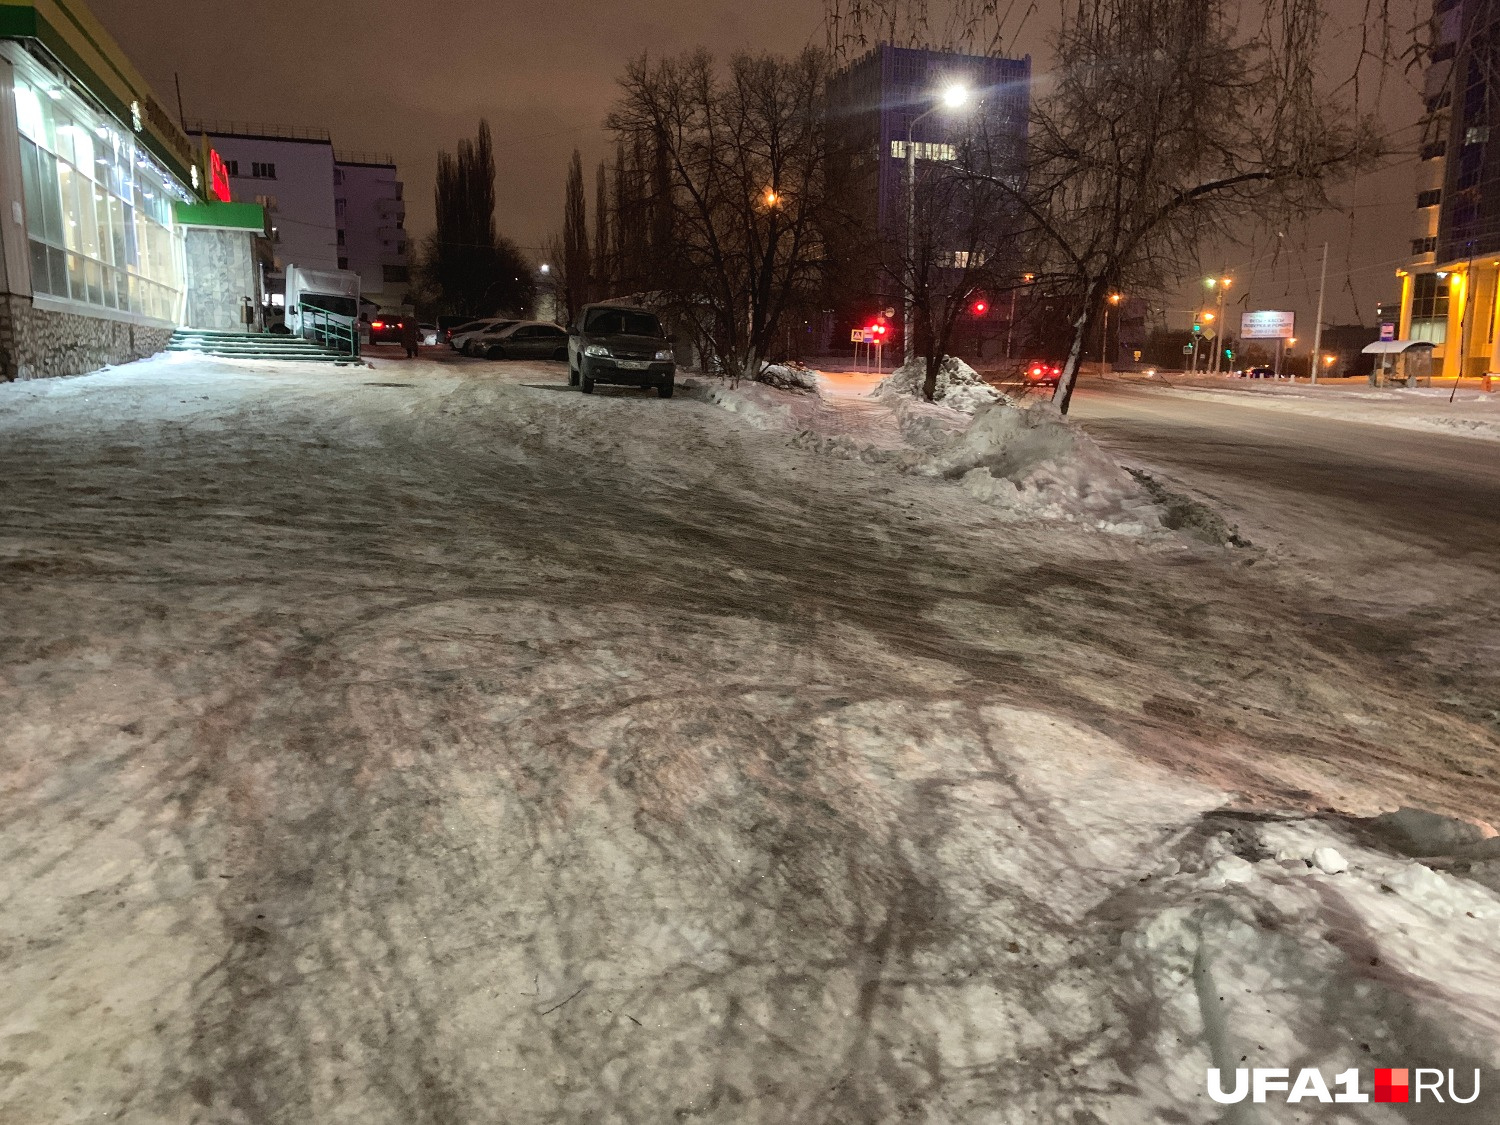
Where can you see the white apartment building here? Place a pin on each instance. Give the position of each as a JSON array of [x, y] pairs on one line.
[[370, 215], [327, 210]]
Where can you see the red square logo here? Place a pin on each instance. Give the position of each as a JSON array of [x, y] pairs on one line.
[[1392, 1086]]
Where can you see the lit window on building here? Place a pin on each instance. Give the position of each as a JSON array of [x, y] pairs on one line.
[[925, 150], [1429, 308]]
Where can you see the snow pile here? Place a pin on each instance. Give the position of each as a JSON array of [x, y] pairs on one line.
[[789, 377], [959, 386], [761, 405], [1285, 944], [1036, 464]]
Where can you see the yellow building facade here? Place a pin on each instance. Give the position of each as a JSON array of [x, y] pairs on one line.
[[1454, 307]]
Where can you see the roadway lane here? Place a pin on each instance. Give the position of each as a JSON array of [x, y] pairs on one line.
[[1314, 479]]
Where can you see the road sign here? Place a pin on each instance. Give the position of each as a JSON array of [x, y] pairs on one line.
[[1187, 349], [857, 336], [890, 314], [1387, 331], [1268, 325]]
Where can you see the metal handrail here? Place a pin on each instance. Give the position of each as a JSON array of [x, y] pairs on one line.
[[329, 333]]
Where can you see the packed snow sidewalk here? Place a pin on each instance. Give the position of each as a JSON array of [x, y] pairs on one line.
[[432, 743]]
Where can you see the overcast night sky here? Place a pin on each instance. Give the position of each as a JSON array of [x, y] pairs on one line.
[[390, 76]]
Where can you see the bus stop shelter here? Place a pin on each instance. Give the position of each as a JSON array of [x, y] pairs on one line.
[[1401, 362]]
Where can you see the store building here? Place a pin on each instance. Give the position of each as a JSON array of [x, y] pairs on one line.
[[1450, 285], [114, 229]]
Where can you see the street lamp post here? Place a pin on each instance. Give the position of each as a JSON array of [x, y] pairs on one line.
[[953, 98], [1104, 360], [1222, 284]]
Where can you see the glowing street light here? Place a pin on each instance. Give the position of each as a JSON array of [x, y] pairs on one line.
[[1114, 299], [955, 96]]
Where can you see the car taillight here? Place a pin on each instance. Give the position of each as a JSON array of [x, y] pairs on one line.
[[378, 324]]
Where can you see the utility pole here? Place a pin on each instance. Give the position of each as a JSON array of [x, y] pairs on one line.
[[1219, 325], [1317, 352]]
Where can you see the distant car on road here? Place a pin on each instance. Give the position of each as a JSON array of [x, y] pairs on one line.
[[623, 345], [1260, 371], [1042, 373], [525, 340], [386, 329], [463, 335]]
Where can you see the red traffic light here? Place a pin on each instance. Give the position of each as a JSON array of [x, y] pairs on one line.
[[980, 308]]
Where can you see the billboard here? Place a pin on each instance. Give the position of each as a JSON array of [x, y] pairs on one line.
[[1268, 325]]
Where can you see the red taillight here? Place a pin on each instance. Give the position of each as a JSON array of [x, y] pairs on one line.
[[378, 324]]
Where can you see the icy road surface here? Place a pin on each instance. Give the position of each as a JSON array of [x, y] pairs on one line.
[[431, 743]]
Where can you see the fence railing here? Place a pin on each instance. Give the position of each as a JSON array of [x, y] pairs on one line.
[[330, 332], [258, 129], [354, 156]]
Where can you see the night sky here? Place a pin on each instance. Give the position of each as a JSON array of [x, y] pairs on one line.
[[410, 79]]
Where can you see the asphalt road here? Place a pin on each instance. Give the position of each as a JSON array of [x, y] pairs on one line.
[[1323, 477]]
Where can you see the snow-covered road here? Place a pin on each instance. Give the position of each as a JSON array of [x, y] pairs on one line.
[[431, 743], [1423, 490]]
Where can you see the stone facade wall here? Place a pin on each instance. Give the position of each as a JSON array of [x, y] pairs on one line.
[[221, 272], [37, 343]]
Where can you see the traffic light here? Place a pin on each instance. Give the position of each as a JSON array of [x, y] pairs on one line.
[[1228, 353], [1197, 330], [980, 308]]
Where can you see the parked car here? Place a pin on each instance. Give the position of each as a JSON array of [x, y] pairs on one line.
[[387, 329], [1042, 373], [459, 341], [622, 345], [524, 340], [429, 333], [448, 325]]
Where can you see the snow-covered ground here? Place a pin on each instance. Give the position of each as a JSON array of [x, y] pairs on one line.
[[1472, 413], [429, 742]]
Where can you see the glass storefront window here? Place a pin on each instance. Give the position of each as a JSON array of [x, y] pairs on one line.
[[98, 209]]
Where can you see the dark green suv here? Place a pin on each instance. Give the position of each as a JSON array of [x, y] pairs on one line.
[[619, 344]]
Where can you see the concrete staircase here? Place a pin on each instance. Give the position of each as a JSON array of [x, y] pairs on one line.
[[245, 345]]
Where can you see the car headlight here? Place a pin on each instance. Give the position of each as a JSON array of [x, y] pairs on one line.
[[663, 355], [597, 350]]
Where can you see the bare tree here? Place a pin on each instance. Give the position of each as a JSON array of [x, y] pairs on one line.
[[965, 238], [741, 152], [602, 281], [1169, 121], [465, 266], [978, 26], [576, 267]]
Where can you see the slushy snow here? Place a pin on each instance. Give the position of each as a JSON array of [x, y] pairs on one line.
[[431, 742]]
